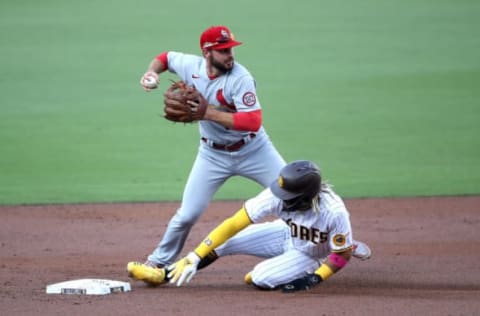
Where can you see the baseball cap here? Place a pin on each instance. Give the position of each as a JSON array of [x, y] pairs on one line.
[[217, 37]]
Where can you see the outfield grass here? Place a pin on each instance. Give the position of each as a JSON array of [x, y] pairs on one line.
[[382, 94]]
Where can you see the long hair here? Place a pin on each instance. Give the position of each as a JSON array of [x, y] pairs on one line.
[[324, 187]]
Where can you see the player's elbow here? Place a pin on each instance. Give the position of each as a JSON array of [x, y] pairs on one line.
[[346, 254]]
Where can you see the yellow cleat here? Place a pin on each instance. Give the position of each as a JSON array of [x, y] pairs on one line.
[[146, 273], [248, 278]]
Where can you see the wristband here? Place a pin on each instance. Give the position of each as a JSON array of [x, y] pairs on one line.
[[324, 272], [337, 260]]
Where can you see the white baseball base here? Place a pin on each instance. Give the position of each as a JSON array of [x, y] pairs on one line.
[[89, 287]]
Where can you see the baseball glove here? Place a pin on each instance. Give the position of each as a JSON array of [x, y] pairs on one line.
[[183, 103]]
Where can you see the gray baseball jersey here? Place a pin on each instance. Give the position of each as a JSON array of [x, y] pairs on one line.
[[257, 159], [235, 91]]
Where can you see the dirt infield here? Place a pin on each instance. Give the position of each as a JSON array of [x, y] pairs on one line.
[[426, 254]]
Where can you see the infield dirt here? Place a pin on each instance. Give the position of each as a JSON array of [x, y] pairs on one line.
[[426, 254]]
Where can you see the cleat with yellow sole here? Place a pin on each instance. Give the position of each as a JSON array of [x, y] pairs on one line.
[[146, 273]]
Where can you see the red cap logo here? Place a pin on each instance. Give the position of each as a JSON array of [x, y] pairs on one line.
[[217, 37]]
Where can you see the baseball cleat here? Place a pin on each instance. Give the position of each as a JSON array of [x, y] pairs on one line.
[[146, 273], [361, 250], [248, 278]]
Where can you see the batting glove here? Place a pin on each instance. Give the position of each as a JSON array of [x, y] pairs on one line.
[[303, 283], [184, 269]]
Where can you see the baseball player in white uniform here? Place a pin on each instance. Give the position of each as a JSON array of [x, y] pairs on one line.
[[310, 241], [232, 139]]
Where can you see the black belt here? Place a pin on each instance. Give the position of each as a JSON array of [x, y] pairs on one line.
[[232, 147]]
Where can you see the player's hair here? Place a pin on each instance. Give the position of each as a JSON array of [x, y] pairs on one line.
[[324, 187]]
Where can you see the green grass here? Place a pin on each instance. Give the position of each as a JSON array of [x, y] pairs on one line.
[[382, 94]]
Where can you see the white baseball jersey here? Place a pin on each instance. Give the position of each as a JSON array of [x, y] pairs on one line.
[[232, 92], [313, 233]]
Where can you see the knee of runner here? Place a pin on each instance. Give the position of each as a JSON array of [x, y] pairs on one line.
[[261, 281]]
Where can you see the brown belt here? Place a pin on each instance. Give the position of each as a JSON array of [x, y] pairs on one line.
[[232, 147]]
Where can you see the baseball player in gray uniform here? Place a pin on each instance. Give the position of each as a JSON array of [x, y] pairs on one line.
[[232, 139]]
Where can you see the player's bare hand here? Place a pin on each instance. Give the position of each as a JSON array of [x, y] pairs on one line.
[[149, 81], [184, 269]]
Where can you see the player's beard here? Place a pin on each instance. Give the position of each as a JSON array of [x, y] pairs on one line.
[[220, 66]]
